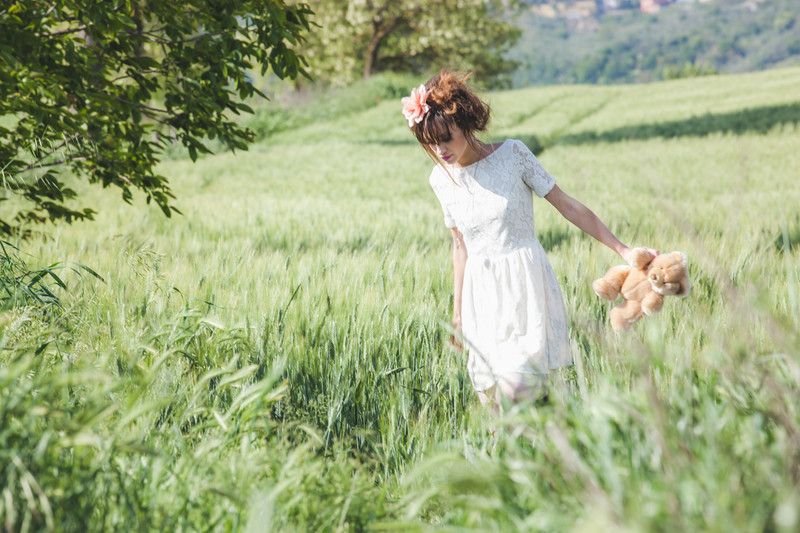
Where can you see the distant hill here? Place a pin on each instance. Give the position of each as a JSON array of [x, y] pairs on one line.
[[569, 42]]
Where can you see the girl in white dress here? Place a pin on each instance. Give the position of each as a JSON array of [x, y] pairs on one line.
[[507, 305]]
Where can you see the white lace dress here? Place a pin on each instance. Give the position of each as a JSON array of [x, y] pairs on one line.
[[512, 310]]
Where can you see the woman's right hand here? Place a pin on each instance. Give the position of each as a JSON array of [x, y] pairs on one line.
[[455, 337]]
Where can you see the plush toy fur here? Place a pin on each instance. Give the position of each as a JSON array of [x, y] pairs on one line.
[[642, 285]]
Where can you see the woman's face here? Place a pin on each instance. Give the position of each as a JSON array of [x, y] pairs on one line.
[[455, 151]]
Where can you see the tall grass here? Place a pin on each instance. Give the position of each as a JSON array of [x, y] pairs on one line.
[[277, 358]]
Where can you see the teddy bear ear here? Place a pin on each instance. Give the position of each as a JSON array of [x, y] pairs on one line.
[[681, 258]]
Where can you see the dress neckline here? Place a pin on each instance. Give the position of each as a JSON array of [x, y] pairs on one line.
[[473, 165]]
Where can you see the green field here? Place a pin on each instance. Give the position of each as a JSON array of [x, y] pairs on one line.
[[276, 359]]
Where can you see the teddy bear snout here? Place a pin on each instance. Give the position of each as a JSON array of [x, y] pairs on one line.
[[670, 288], [656, 278]]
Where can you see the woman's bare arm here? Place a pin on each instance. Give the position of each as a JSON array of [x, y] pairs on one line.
[[459, 261], [583, 218]]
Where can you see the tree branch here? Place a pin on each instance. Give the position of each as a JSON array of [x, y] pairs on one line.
[[37, 163], [34, 166], [82, 27], [142, 72], [156, 39], [148, 108]]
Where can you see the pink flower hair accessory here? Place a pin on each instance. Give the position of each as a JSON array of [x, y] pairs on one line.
[[414, 106]]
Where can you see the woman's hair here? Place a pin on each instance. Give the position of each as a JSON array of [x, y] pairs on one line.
[[451, 103]]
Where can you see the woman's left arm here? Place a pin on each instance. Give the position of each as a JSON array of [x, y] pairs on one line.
[[586, 220]]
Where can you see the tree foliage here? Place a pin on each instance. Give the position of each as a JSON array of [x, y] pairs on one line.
[[101, 88], [363, 37]]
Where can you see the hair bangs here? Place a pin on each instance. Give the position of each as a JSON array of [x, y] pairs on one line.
[[434, 128]]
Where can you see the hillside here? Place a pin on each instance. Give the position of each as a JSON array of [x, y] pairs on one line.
[[277, 359], [682, 39]]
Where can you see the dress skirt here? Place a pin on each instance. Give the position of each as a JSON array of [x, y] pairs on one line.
[[513, 316]]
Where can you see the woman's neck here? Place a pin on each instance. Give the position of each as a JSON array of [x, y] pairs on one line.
[[472, 156]]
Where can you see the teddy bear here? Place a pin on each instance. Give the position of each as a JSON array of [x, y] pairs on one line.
[[643, 285]]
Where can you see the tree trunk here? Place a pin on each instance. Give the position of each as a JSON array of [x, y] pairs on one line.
[[371, 61], [384, 25]]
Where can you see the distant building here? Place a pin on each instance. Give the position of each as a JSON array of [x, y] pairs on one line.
[[652, 6], [583, 8], [545, 10], [580, 15]]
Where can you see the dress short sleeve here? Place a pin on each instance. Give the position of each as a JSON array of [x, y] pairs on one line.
[[533, 173], [448, 220], [440, 191]]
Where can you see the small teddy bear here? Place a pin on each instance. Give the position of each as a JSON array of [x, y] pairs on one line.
[[642, 285]]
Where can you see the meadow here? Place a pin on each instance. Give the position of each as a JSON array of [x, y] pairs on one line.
[[277, 358]]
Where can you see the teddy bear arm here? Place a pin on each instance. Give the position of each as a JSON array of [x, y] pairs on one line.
[[623, 316], [609, 286]]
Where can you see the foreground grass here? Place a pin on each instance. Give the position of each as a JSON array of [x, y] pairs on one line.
[[276, 359]]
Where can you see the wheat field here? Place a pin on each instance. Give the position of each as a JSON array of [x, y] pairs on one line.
[[276, 358]]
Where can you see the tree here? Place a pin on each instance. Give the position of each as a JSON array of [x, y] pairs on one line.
[[100, 88], [363, 37]]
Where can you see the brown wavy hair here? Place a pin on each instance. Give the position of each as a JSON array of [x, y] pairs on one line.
[[451, 103]]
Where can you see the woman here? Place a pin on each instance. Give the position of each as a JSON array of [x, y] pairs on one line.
[[507, 302]]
